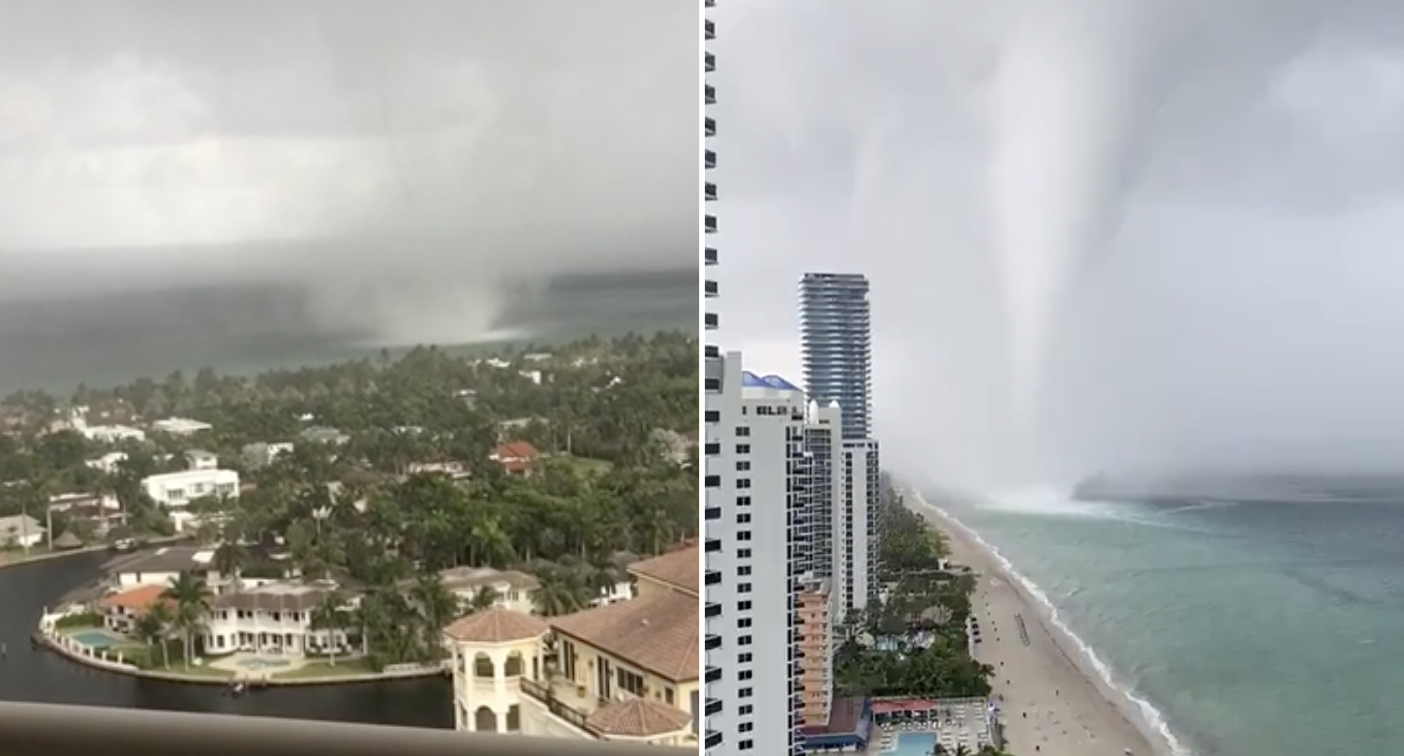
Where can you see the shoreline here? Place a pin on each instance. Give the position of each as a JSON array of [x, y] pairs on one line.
[[1046, 672], [110, 666]]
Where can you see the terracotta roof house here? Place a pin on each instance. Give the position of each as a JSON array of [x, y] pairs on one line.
[[121, 610], [678, 570], [622, 671], [496, 625], [516, 457]]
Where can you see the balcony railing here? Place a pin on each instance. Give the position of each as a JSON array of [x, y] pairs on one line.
[[49, 730], [561, 709]]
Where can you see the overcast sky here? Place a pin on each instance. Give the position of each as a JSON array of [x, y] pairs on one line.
[[1198, 206], [432, 140]]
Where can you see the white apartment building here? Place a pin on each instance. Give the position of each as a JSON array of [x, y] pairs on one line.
[[180, 426], [754, 569], [859, 512], [716, 432], [828, 539]]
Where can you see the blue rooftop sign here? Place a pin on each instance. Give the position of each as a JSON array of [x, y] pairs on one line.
[[751, 380]]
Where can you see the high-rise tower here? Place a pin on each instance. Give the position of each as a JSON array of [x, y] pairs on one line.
[[714, 461], [836, 345]]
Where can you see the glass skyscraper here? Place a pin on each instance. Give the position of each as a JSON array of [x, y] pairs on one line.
[[836, 345]]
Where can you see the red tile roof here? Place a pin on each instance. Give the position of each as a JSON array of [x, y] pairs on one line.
[[135, 601], [658, 633], [679, 568], [638, 718], [516, 450], [496, 625]]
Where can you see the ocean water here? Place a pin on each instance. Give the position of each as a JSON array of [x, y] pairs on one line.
[[1262, 626], [105, 340]]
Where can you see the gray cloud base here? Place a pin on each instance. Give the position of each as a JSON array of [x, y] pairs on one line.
[[1245, 309]]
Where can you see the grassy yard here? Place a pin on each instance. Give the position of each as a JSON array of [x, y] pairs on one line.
[[319, 668], [587, 465]]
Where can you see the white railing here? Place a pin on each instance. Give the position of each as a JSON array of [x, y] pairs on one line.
[[49, 730]]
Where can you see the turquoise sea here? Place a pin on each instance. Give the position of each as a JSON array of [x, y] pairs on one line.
[[1263, 624]]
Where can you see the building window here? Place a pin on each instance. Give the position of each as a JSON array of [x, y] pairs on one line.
[[743, 553], [743, 606], [743, 448], [742, 431], [743, 588], [631, 682], [743, 693], [743, 518], [744, 658], [743, 465], [745, 745], [743, 501], [744, 535], [743, 482], [745, 727], [743, 623], [744, 640], [745, 709]]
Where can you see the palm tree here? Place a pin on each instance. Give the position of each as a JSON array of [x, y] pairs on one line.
[[152, 628], [329, 617], [485, 598], [229, 559], [192, 604], [437, 606]]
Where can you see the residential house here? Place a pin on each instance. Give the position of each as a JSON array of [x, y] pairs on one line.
[[451, 468], [625, 671], [161, 567], [516, 457], [122, 609], [180, 426], [100, 512], [108, 463], [259, 454], [199, 459], [274, 618], [112, 434], [176, 490], [513, 589], [20, 531], [319, 434]]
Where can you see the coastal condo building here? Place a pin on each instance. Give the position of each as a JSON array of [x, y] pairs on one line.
[[753, 516], [713, 460], [836, 350]]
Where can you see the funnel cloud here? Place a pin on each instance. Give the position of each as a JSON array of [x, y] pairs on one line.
[[1146, 236], [409, 169]]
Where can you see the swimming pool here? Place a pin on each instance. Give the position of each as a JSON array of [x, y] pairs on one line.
[[914, 744], [97, 638], [259, 662]]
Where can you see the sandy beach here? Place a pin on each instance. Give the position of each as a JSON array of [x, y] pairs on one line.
[[1050, 706]]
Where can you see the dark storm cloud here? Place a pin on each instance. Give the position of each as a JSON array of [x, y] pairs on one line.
[[431, 141], [1225, 208]]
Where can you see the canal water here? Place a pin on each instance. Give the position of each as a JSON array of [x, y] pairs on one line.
[[33, 675]]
